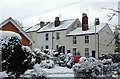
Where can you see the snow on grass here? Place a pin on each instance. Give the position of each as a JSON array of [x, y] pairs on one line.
[[3, 75]]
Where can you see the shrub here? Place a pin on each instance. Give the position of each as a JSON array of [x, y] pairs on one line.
[[15, 58], [47, 64]]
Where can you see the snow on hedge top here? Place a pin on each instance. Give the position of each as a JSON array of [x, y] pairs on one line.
[[34, 28], [63, 25], [78, 31], [8, 35]]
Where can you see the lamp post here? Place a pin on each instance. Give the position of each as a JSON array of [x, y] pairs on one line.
[[95, 36]]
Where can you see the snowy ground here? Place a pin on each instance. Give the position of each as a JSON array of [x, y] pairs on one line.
[[56, 71]]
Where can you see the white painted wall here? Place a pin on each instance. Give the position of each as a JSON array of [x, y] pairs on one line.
[[34, 38], [41, 40], [105, 37], [101, 44], [81, 45]]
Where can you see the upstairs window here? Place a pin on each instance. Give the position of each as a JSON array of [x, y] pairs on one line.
[[57, 36], [46, 36], [74, 40], [86, 39]]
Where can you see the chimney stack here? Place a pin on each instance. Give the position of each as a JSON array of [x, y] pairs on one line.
[[97, 21], [42, 24], [57, 21], [84, 22]]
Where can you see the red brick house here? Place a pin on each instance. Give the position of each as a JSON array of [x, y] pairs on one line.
[[12, 25]]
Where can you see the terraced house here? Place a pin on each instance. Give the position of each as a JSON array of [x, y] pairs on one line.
[[53, 35]]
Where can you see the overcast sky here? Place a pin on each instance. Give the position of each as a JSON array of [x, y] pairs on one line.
[[30, 12]]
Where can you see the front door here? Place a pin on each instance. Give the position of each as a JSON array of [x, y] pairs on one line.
[[93, 53]]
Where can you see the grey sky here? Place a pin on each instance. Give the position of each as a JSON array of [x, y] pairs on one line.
[[30, 12]]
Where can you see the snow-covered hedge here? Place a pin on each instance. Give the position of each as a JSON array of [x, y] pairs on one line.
[[90, 67], [47, 64], [61, 61], [39, 72], [69, 60]]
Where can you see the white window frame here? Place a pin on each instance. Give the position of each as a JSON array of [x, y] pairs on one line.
[[86, 52], [46, 36], [57, 35], [86, 38], [74, 40]]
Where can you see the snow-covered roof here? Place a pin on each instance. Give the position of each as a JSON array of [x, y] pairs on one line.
[[63, 26], [17, 26], [91, 30], [25, 28], [34, 28]]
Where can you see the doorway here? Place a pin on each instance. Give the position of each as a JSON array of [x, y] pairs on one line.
[[93, 53]]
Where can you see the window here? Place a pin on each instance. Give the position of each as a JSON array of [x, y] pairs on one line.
[[87, 39], [47, 47], [87, 52], [74, 40], [46, 36], [74, 51], [57, 36]]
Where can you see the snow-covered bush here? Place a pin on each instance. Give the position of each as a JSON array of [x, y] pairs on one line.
[[37, 56], [39, 73], [15, 58], [90, 67], [87, 67], [61, 61], [47, 64], [69, 60], [115, 57]]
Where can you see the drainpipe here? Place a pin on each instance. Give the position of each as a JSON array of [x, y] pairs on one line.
[[95, 37], [98, 45], [52, 40]]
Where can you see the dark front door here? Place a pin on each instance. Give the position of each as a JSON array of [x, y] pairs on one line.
[[93, 53], [64, 49]]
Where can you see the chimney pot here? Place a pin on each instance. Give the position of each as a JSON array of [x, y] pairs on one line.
[[84, 22], [57, 21], [97, 21], [42, 24]]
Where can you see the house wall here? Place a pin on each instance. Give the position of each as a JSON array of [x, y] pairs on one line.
[[41, 40], [10, 27], [34, 38], [81, 45], [105, 37], [61, 41]]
